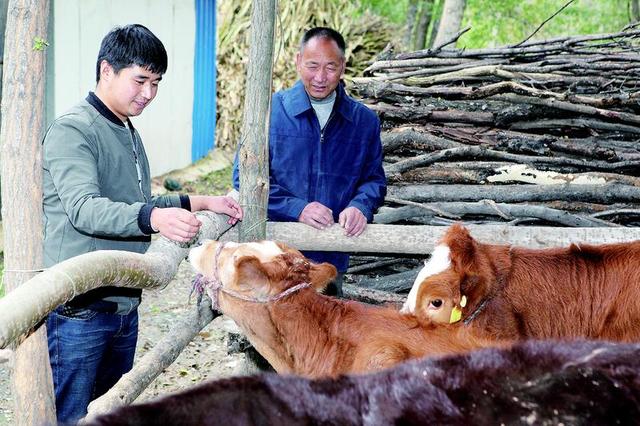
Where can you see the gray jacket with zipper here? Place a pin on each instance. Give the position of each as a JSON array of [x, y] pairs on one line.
[[94, 195]]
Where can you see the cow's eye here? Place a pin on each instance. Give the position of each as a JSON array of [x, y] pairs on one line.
[[436, 303]]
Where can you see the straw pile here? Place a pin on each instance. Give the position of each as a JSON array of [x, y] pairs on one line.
[[366, 35]]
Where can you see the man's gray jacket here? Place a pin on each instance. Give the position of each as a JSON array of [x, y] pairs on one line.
[[95, 196]]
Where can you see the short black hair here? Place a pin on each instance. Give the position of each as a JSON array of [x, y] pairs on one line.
[[132, 45], [323, 32]]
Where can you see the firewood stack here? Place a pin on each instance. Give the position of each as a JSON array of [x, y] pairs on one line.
[[542, 133]]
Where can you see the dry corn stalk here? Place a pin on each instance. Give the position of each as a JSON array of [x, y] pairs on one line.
[[366, 36]]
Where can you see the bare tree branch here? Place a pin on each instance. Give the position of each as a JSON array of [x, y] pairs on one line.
[[544, 22]]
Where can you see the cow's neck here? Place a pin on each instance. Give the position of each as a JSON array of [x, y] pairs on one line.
[[309, 330], [285, 333]]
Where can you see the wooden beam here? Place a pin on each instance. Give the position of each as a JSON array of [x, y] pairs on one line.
[[25, 306], [421, 239]]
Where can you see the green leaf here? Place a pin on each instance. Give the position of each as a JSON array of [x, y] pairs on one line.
[[39, 44]]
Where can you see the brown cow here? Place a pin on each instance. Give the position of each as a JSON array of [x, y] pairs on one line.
[[510, 292], [270, 291]]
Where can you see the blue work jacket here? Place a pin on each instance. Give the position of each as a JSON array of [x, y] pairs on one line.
[[339, 167]]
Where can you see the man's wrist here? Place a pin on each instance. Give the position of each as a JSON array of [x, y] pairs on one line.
[[151, 221], [144, 219]]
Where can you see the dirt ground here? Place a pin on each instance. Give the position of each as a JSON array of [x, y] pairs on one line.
[[206, 357]]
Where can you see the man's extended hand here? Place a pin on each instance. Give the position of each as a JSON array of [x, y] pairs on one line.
[[174, 223], [353, 221], [317, 215], [218, 204]]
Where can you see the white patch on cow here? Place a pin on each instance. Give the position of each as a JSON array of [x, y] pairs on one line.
[[265, 250], [438, 262]]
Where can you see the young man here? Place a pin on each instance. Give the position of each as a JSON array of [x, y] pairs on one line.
[[324, 149], [97, 196]]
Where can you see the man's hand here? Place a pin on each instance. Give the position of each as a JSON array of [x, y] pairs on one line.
[[174, 223], [316, 215], [353, 221], [218, 204]]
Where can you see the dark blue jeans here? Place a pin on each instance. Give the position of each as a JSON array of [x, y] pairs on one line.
[[89, 351]]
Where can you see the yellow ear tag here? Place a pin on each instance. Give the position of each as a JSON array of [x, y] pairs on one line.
[[456, 315], [463, 301]]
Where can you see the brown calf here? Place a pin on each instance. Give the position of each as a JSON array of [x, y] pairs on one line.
[[270, 291], [513, 292]]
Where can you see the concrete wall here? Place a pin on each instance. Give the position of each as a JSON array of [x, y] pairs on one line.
[[78, 28]]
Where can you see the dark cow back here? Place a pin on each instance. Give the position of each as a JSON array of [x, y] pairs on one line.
[[535, 382]]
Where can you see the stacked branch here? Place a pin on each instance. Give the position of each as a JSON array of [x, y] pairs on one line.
[[540, 133]]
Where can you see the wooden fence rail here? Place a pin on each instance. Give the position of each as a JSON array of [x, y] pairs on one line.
[[23, 308]]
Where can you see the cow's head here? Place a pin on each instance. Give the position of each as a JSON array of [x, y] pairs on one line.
[[258, 270], [439, 293]]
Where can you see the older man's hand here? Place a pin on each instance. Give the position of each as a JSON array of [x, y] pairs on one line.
[[316, 215], [353, 221]]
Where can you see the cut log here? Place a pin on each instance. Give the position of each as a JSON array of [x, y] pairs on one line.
[[373, 297], [481, 172], [605, 194], [460, 210], [482, 153]]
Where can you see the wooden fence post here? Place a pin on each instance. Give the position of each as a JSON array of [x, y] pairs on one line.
[[254, 140], [254, 153], [23, 91]]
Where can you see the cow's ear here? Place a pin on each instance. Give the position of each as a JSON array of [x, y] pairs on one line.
[[251, 274], [462, 247], [322, 274]]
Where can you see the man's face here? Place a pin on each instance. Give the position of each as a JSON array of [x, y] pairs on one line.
[[320, 66], [129, 91]]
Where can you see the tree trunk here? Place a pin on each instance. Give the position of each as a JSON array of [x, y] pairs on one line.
[[422, 27], [22, 131], [3, 27], [604, 194], [635, 11], [421, 239], [451, 20], [412, 9], [254, 153], [371, 296]]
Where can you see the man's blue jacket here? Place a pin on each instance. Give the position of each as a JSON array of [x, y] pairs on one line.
[[338, 167]]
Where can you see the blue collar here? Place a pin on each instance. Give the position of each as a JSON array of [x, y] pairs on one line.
[[297, 101]]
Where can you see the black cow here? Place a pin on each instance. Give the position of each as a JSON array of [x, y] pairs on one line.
[[534, 382]]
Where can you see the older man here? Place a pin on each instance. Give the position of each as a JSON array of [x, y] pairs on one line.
[[324, 149]]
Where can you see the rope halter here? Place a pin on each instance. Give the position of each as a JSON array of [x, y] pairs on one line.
[[214, 286]]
